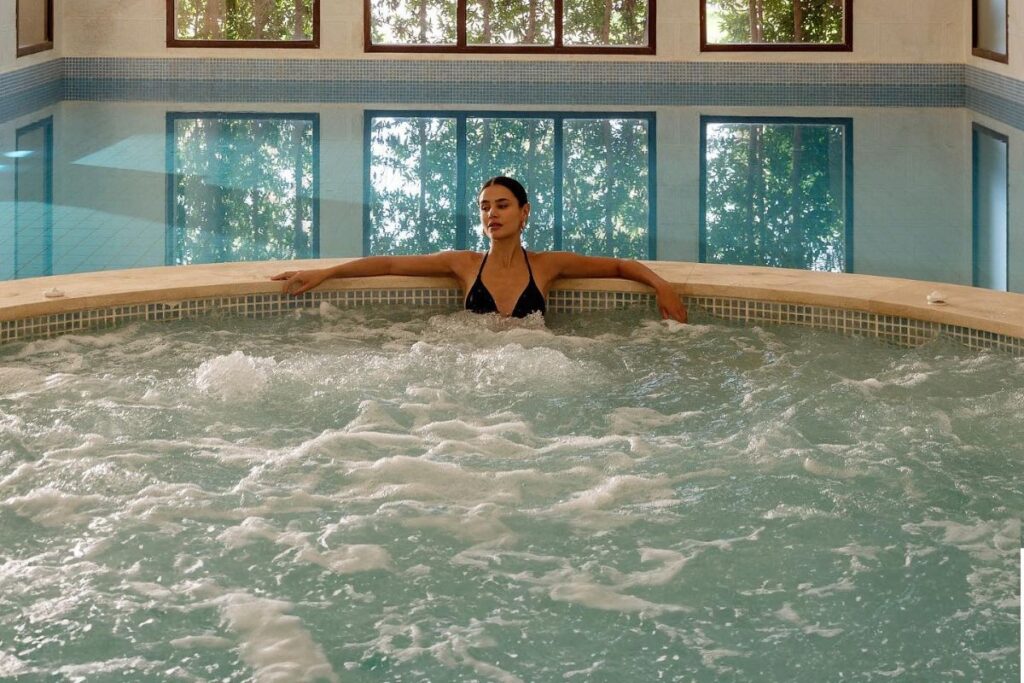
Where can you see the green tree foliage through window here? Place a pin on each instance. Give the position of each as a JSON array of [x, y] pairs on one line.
[[243, 188], [776, 194], [523, 23], [589, 179], [775, 21], [244, 20]]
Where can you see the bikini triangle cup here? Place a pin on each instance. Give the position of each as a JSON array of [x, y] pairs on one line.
[[480, 300]]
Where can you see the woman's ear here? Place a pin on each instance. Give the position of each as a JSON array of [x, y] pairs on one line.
[[526, 213]]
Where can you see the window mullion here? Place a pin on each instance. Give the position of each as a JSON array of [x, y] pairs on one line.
[[460, 23], [461, 189], [559, 17], [557, 193]]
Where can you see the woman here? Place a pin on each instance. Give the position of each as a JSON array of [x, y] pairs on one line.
[[506, 279]]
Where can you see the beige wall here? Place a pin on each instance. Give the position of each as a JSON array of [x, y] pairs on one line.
[[885, 31]]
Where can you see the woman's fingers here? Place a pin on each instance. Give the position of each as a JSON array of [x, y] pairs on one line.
[[285, 275]]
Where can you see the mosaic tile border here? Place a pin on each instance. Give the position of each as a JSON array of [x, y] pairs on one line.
[[359, 79], [905, 332], [534, 71], [576, 93]]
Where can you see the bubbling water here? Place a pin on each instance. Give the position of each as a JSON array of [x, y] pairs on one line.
[[384, 494]]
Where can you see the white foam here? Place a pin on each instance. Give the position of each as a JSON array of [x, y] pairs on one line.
[[274, 643], [14, 380], [234, 377], [344, 559], [51, 507], [204, 642], [617, 490], [630, 420], [85, 671], [10, 665], [605, 598]]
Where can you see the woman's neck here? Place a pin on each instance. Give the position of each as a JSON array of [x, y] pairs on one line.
[[505, 252]]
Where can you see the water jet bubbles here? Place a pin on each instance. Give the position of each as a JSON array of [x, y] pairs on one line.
[[234, 377]]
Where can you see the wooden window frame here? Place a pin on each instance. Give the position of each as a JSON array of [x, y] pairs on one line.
[[845, 46], [1001, 57], [558, 47], [37, 47], [174, 41]]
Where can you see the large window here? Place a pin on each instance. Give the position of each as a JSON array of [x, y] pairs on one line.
[[242, 187], [243, 23], [777, 192], [35, 26], [819, 25], [608, 26], [590, 179]]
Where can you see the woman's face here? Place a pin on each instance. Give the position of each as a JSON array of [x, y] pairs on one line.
[[500, 213]]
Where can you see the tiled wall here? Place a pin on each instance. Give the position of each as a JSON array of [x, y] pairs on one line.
[[891, 329]]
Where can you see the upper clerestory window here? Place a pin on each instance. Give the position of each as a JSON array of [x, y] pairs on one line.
[[776, 25], [540, 26], [34, 19], [243, 23]]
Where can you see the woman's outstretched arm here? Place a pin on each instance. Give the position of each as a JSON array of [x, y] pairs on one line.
[[565, 264], [445, 263]]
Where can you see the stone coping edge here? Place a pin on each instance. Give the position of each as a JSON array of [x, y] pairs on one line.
[[998, 314]]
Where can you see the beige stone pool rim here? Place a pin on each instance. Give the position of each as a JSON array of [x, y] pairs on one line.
[[891, 309]]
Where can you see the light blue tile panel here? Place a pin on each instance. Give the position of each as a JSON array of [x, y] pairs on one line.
[[475, 71]]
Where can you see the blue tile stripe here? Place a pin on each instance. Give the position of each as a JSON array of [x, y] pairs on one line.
[[471, 70], [687, 82]]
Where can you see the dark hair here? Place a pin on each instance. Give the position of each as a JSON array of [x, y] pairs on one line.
[[511, 184]]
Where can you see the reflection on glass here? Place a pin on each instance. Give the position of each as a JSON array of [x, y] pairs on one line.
[[777, 192], [33, 200], [510, 22], [242, 187], [752, 22], [606, 22], [413, 22], [990, 208], [269, 20], [523, 148], [412, 190], [607, 180], [589, 176]]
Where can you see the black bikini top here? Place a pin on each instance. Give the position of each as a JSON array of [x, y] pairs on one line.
[[479, 299]]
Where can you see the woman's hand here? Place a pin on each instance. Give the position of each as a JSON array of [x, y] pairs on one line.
[[670, 304], [299, 281]]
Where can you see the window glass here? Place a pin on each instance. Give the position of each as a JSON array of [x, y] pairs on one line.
[[244, 20], [775, 22], [589, 176], [35, 30], [607, 181], [600, 22], [990, 208], [242, 187], [777, 193], [990, 22], [413, 22], [510, 22], [412, 185], [33, 200], [616, 26]]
